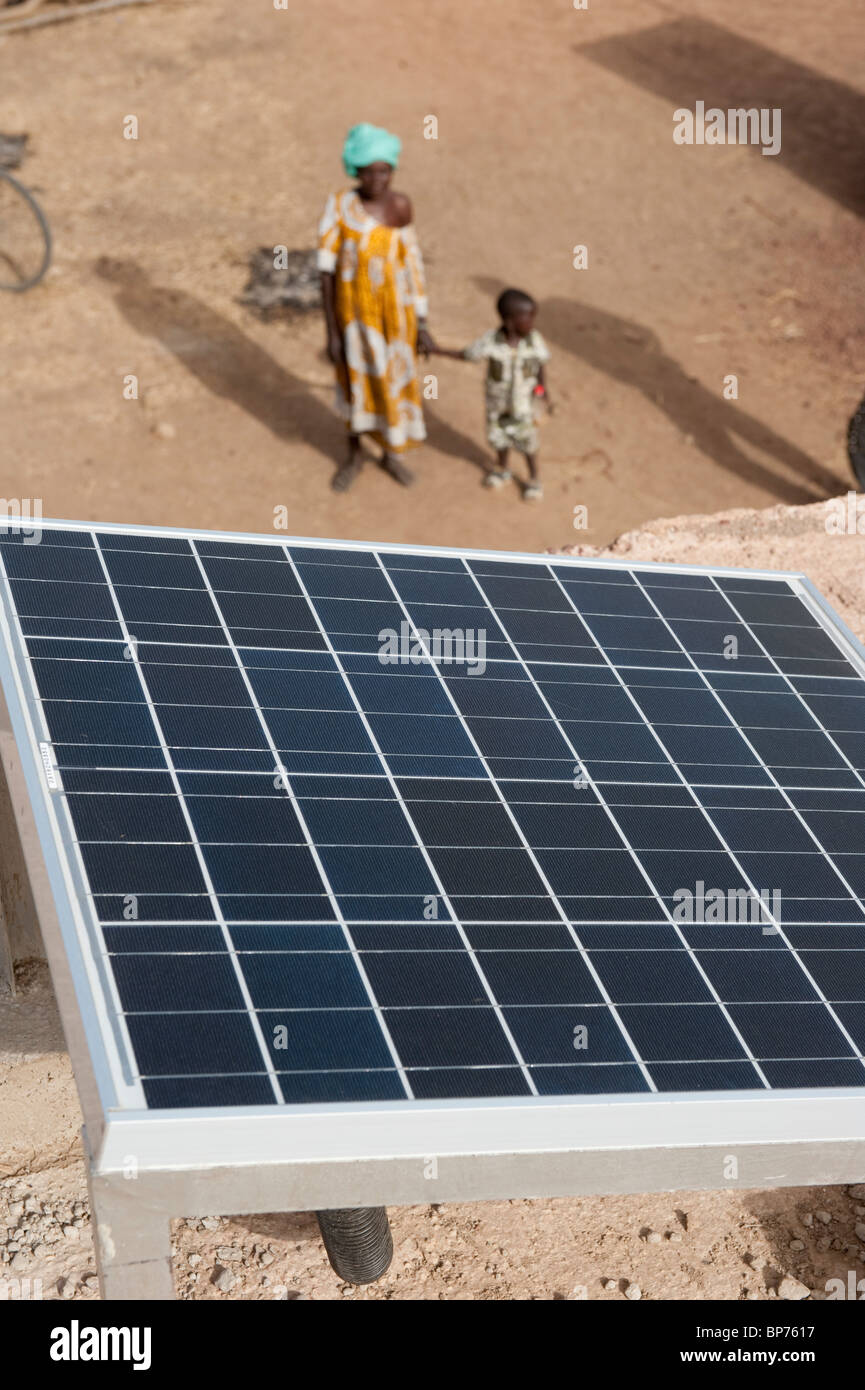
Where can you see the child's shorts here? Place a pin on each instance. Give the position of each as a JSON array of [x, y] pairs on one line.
[[513, 432]]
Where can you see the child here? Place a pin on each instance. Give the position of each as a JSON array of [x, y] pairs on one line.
[[515, 354]]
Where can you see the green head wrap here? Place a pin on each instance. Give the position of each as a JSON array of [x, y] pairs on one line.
[[367, 144]]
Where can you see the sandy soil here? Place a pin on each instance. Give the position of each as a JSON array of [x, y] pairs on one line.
[[554, 130], [718, 1245]]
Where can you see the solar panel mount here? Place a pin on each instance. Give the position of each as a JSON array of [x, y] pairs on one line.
[[376, 874]]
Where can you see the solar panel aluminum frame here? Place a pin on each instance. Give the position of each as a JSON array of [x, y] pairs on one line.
[[249, 1159]]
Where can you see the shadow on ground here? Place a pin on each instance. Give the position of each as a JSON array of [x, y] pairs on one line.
[[221, 356], [783, 1216], [691, 60]]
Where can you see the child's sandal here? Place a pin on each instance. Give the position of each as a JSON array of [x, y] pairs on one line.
[[533, 492], [497, 478]]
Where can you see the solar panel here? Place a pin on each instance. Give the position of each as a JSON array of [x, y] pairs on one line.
[[343, 829]]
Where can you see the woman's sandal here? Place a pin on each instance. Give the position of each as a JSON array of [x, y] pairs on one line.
[[497, 477], [345, 476]]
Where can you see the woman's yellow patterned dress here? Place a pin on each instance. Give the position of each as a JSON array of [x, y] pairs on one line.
[[380, 295]]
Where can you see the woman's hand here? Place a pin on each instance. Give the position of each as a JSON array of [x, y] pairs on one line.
[[335, 348], [425, 342]]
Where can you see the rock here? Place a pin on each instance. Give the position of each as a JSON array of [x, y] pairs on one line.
[[228, 1254], [859, 1228], [294, 284], [823, 1216], [266, 1258], [792, 1290], [164, 430], [193, 1260], [808, 1219], [653, 1238], [18, 1262], [224, 1279], [210, 1223], [858, 1191], [610, 1285], [675, 1237], [31, 1205], [633, 1292], [797, 1245], [16, 1209]]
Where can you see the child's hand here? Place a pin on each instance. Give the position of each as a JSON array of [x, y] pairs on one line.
[[540, 393]]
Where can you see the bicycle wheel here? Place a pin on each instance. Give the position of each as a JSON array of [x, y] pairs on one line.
[[25, 238]]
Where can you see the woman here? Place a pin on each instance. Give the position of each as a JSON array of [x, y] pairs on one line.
[[374, 305]]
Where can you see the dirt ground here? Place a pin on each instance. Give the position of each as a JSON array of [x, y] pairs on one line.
[[554, 130], [679, 1245]]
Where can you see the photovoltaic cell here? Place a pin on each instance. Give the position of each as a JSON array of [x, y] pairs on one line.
[[362, 825]]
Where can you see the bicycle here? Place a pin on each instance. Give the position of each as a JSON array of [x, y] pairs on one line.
[[25, 237]]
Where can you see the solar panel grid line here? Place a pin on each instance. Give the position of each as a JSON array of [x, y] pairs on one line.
[[741, 731], [797, 813], [423, 714], [798, 694], [126, 1084], [635, 857], [492, 660], [806, 972], [279, 766], [502, 1021], [360, 599], [538, 868], [267, 1061], [782, 791]]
